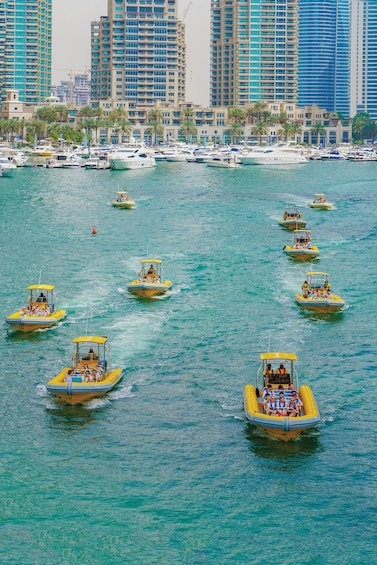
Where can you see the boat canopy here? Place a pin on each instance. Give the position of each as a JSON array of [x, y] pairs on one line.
[[151, 261], [122, 192], [40, 287], [278, 355], [311, 273], [302, 231], [90, 339], [317, 194]]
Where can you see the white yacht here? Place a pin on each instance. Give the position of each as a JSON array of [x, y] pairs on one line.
[[132, 157], [225, 160], [273, 155], [178, 154], [7, 168]]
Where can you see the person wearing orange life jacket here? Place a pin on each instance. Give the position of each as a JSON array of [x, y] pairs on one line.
[[282, 370]]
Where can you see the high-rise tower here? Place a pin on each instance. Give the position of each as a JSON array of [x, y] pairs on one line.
[[364, 57], [139, 53], [25, 48], [324, 54], [253, 51]]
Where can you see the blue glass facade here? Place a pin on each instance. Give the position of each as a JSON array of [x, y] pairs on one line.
[[25, 48], [366, 73], [324, 54], [253, 51]]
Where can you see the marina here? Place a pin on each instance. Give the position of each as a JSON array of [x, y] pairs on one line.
[[184, 465]]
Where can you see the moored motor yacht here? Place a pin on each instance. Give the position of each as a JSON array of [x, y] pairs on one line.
[[132, 157], [273, 155], [7, 168]]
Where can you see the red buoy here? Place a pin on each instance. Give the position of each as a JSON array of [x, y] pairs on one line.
[[94, 230]]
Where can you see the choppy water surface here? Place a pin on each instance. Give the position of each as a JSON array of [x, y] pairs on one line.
[[166, 469]]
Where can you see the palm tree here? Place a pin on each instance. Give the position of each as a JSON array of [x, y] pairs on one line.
[[187, 114], [35, 128], [286, 131], [63, 112], [123, 127], [236, 116], [296, 130], [155, 115], [235, 131], [187, 128], [118, 114], [260, 129], [258, 109], [318, 130], [48, 114], [155, 129], [11, 127], [86, 112]]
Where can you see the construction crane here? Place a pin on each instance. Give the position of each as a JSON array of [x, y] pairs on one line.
[[186, 11]]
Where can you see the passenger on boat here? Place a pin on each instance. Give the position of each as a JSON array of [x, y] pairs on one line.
[[305, 289], [88, 377], [295, 405], [285, 215], [41, 298], [282, 370], [267, 391], [68, 377], [268, 372], [282, 405], [326, 285], [270, 405], [92, 355]]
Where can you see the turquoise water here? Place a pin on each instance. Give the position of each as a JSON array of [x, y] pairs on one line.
[[165, 469]]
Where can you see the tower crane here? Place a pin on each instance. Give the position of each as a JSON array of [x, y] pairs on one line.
[[186, 11]]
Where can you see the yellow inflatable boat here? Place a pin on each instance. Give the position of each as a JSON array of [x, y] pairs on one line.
[[41, 311], [292, 219], [150, 279], [277, 404], [316, 294], [301, 247], [90, 374]]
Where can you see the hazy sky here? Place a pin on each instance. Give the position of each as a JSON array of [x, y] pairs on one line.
[[71, 41]]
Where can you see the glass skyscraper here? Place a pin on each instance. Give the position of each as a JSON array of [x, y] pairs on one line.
[[25, 48], [364, 57], [324, 54], [253, 51], [139, 53]]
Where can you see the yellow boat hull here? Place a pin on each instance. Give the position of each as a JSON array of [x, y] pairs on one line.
[[320, 206], [146, 289], [292, 224], [127, 204], [303, 253], [25, 323], [322, 305], [78, 392], [282, 427]]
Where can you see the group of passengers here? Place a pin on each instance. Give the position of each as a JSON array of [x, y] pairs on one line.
[[292, 215], [310, 292], [303, 243], [38, 308], [93, 375], [275, 402], [151, 274]]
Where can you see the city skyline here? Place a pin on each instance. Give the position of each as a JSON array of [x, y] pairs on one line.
[[73, 56]]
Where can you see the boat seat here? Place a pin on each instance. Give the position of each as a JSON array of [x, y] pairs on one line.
[[280, 379]]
